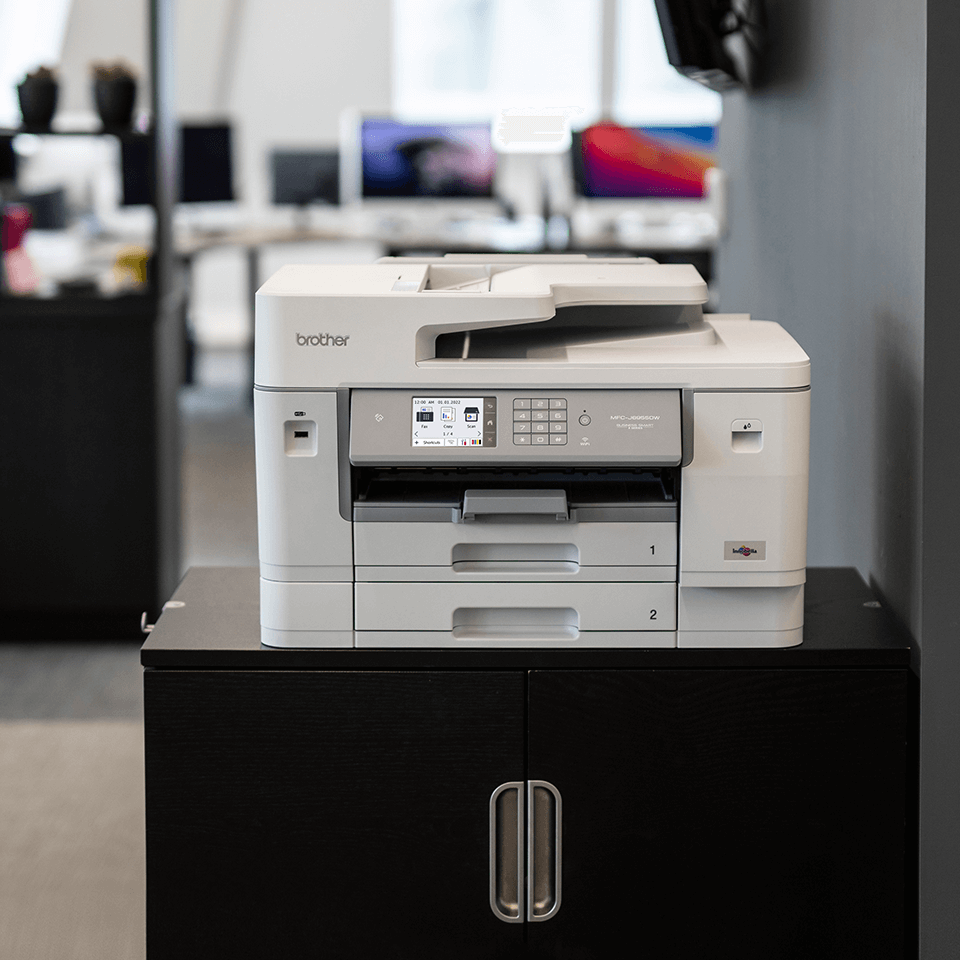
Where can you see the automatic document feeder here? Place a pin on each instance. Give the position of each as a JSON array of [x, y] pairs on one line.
[[524, 451]]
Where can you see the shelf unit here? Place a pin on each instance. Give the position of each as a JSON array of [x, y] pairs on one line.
[[91, 467]]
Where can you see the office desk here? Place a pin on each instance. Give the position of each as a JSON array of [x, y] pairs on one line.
[[756, 803], [398, 234], [251, 240], [402, 234]]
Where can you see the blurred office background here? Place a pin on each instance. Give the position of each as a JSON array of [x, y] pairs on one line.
[[279, 80], [144, 461], [304, 133]]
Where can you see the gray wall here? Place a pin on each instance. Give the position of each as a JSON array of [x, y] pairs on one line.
[[103, 30], [827, 237], [940, 686], [298, 63], [844, 226]]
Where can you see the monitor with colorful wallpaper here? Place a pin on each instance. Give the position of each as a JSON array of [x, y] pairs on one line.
[[612, 161]]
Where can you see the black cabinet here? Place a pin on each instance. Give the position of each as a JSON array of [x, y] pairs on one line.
[[711, 803], [709, 808], [91, 465], [325, 813]]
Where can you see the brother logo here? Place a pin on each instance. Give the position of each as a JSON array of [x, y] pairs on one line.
[[321, 340]]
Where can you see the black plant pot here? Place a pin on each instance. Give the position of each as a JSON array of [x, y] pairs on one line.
[[38, 102], [115, 100]]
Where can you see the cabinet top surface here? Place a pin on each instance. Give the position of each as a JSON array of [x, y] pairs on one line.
[[216, 624]]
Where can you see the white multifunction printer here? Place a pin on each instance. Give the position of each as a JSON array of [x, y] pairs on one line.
[[504, 451]]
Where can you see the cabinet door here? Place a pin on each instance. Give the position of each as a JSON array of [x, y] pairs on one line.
[[748, 813], [311, 814]]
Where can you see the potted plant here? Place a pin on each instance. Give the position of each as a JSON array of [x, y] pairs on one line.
[[115, 93], [38, 98]]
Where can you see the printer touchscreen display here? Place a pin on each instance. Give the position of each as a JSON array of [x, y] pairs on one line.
[[448, 422]]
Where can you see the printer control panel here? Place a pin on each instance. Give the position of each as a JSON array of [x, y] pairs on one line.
[[630, 427], [540, 421]]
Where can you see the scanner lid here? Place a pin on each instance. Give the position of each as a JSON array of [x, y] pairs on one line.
[[407, 321], [557, 281]]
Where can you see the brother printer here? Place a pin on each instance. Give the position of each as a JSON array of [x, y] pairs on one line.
[[489, 451]]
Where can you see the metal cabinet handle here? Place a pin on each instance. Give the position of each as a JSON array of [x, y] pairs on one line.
[[543, 852], [506, 852]]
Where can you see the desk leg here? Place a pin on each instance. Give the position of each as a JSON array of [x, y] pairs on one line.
[[253, 284], [185, 264]]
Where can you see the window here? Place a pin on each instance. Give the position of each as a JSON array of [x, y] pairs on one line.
[[467, 59], [470, 58]]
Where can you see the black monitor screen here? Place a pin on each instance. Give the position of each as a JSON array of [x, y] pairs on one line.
[[8, 159], [426, 160], [206, 163], [305, 176], [206, 166], [136, 170]]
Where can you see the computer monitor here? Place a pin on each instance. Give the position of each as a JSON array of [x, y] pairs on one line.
[[206, 165], [8, 160], [302, 177], [48, 208], [136, 171], [611, 161], [388, 159]]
